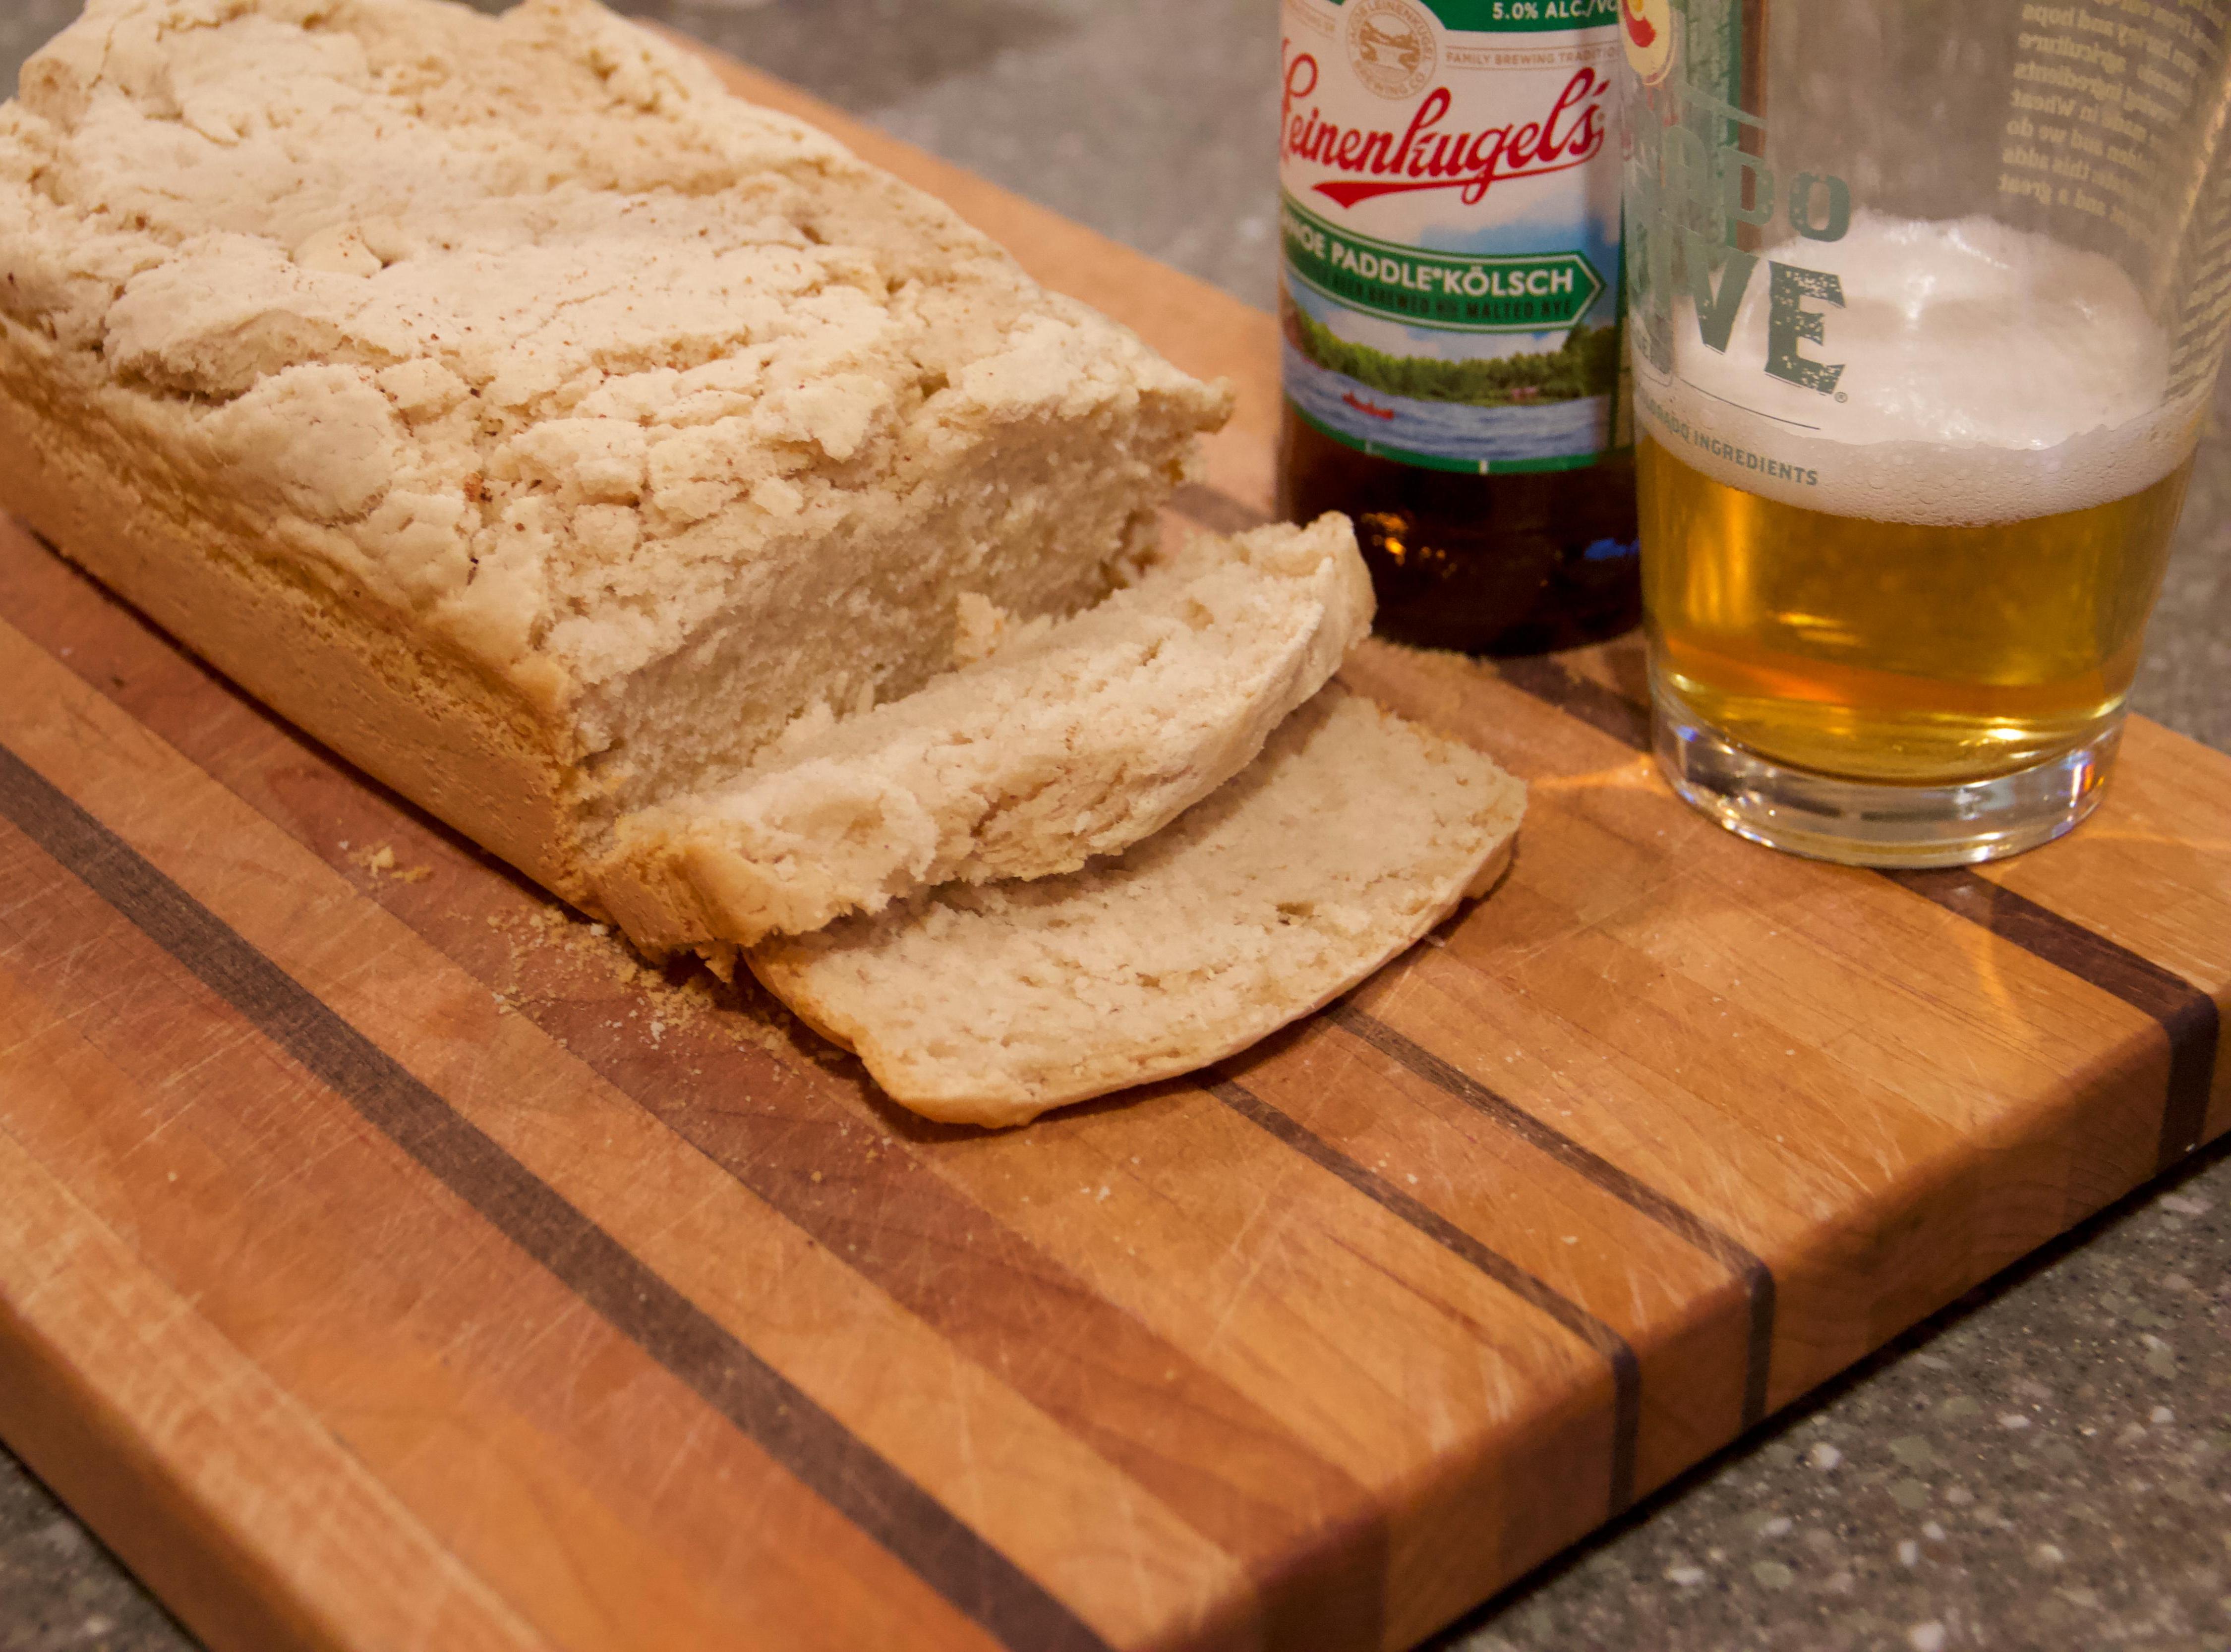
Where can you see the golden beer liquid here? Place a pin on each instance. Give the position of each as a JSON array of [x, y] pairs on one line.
[[1893, 651]]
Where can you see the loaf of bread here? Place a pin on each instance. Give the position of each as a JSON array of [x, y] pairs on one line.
[[711, 526], [1070, 740], [540, 426], [1342, 844]]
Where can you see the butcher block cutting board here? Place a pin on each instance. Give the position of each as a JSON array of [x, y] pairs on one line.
[[388, 1261]]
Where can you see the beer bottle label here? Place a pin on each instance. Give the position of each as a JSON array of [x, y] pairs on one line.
[[1451, 193]]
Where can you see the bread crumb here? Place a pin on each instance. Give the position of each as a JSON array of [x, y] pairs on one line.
[[380, 862], [553, 950]]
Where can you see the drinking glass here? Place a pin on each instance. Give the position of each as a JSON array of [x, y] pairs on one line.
[[1925, 305]]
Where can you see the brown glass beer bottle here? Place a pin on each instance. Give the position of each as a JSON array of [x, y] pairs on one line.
[[1449, 303]]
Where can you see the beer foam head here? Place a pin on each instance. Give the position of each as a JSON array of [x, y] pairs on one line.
[[1987, 374]]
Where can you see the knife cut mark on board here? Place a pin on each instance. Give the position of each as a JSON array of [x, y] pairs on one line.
[[1617, 1352], [1755, 1277], [2187, 1015]]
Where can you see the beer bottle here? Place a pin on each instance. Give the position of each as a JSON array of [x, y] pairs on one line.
[[1450, 301]]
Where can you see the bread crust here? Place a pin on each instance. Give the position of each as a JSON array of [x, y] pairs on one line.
[[443, 733]]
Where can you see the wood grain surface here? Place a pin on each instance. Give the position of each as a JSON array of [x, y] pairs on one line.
[[387, 1260]]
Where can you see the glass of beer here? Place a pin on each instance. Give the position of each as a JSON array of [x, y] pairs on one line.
[[1926, 306]]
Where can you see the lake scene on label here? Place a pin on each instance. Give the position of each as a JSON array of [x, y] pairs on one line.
[[1395, 426]]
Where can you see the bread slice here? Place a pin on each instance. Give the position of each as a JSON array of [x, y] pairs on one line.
[[537, 424], [1071, 740], [1345, 842]]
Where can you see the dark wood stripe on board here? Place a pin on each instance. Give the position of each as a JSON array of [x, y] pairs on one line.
[[979, 1581], [2188, 1015], [1001, 1302], [1756, 1278], [1626, 1370], [1602, 708]]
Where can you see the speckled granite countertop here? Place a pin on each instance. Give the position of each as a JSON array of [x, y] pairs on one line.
[[2046, 1465]]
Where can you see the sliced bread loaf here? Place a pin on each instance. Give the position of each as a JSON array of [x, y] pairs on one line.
[[1348, 838], [1071, 740]]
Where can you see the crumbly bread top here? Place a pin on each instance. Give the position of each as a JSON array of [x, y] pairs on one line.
[[1346, 840], [493, 316], [1068, 740]]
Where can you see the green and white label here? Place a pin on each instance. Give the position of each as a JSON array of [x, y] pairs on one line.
[[1504, 292], [1449, 226], [1515, 15]]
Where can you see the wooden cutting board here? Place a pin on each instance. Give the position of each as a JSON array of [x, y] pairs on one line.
[[387, 1261]]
